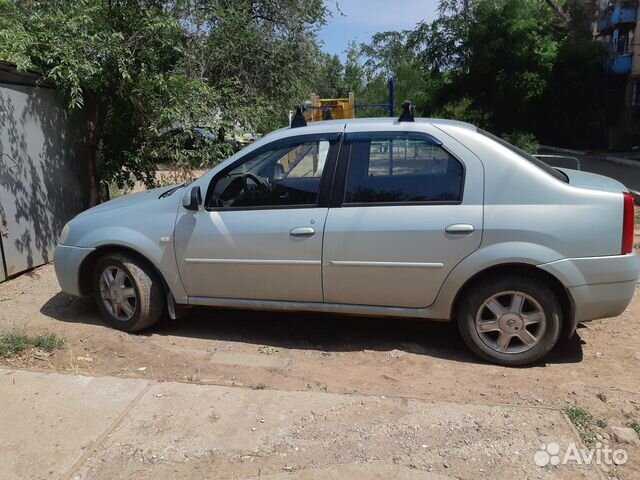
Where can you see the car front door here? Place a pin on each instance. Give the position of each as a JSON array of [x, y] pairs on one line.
[[259, 235], [409, 211]]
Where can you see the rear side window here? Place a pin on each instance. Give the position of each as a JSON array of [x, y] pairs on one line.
[[401, 168], [530, 158]]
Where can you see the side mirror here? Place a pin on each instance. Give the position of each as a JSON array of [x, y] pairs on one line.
[[192, 199], [278, 172]]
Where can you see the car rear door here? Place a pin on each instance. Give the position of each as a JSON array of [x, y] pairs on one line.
[[406, 208]]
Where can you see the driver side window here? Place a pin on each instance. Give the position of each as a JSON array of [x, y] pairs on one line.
[[286, 175]]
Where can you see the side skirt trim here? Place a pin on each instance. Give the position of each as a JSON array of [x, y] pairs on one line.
[[345, 309]]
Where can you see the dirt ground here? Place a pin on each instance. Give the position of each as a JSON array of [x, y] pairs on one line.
[[598, 369], [110, 428]]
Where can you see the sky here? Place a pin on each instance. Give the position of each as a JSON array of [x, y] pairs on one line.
[[363, 18]]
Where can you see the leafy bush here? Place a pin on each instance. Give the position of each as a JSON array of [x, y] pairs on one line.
[[464, 111], [523, 140]]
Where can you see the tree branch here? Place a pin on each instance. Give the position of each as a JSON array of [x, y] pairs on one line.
[[555, 6]]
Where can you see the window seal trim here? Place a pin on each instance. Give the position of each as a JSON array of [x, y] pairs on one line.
[[269, 207], [402, 204]]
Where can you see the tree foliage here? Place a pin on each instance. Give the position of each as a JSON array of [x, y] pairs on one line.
[[510, 66], [140, 68], [146, 72]]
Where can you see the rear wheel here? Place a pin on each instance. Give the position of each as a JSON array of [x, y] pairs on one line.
[[510, 320], [129, 294]]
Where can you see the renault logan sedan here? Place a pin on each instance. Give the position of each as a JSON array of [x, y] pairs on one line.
[[429, 219]]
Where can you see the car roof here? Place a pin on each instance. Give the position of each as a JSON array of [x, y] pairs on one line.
[[379, 122]]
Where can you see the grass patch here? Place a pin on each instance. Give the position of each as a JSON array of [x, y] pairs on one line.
[[12, 344], [268, 350], [602, 423], [584, 422], [635, 426]]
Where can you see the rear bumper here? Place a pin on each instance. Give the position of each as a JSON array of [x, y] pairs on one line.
[[599, 287], [67, 261], [601, 300]]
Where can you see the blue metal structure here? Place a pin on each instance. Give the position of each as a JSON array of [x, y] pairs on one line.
[[616, 24], [621, 12], [621, 64], [387, 106]]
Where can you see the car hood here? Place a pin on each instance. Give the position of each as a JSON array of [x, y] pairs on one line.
[[578, 178], [131, 200]]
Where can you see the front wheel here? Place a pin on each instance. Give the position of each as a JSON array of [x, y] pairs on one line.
[[129, 294], [510, 321]]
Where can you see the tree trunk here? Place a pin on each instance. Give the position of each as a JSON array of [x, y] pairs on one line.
[[96, 122]]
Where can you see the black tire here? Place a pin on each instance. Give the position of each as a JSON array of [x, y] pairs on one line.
[[150, 300], [539, 298]]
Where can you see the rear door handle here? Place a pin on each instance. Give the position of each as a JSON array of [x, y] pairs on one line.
[[459, 229], [302, 232]]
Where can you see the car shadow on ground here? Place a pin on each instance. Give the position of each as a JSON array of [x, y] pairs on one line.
[[308, 331]]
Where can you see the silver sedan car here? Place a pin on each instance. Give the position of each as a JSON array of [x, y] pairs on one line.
[[428, 219]]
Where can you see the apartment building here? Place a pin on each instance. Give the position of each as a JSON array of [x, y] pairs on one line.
[[617, 24]]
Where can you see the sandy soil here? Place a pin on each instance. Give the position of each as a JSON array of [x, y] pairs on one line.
[[598, 369]]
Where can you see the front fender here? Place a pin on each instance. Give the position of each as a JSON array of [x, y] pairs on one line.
[[159, 252]]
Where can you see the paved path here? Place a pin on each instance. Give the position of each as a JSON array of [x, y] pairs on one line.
[[75, 427]]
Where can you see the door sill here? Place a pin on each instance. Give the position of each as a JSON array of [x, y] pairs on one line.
[[345, 309]]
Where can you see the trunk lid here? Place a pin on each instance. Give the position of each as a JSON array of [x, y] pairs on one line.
[[578, 178]]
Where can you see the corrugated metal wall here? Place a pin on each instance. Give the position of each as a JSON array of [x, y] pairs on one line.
[[43, 180]]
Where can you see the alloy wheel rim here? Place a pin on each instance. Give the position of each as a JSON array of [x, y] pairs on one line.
[[511, 322], [117, 292]]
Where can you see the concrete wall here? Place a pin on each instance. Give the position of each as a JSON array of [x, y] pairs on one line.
[[43, 176]]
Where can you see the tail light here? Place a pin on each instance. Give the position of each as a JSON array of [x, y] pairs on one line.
[[627, 224]]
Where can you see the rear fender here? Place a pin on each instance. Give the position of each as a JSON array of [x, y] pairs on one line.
[[493, 255]]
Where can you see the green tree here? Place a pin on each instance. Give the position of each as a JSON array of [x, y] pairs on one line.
[[514, 66], [353, 70], [262, 53], [511, 57], [139, 68], [392, 54], [329, 81]]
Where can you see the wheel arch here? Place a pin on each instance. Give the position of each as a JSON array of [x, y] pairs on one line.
[[88, 266], [528, 271]]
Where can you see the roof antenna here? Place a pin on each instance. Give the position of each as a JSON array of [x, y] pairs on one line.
[[407, 112], [298, 119]]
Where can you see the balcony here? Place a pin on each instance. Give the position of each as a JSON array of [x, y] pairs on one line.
[[621, 64], [622, 12]]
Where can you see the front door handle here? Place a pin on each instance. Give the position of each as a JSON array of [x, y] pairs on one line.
[[302, 232], [459, 229]]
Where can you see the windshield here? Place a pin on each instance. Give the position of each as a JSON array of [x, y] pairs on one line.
[[530, 158]]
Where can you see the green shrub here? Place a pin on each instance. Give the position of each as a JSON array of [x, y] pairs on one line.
[[523, 140], [13, 344]]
